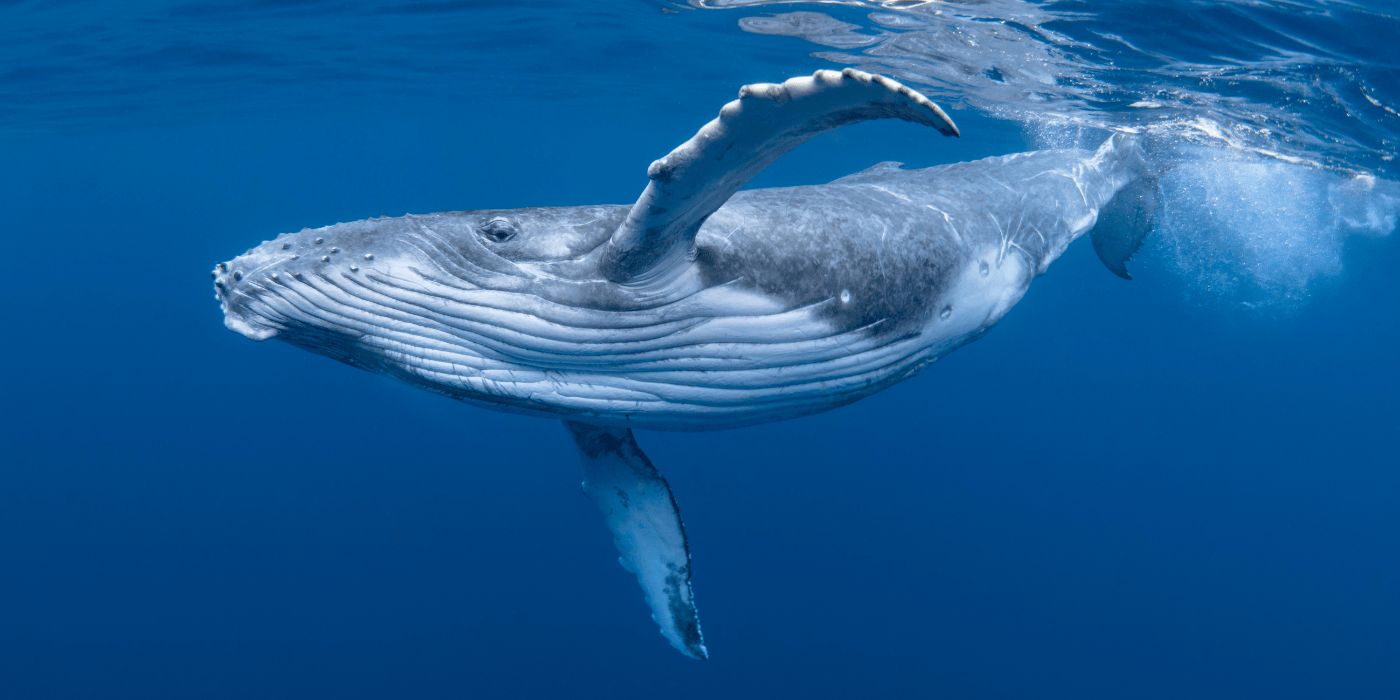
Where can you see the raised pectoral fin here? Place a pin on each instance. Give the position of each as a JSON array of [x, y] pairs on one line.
[[646, 527], [766, 121]]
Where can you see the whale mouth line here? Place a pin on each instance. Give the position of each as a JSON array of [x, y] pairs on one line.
[[240, 318]]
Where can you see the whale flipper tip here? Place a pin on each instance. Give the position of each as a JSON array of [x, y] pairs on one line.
[[646, 526]]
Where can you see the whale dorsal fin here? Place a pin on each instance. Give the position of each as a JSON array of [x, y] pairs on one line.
[[751, 132], [878, 171]]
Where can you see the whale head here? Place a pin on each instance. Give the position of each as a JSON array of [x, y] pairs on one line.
[[320, 279]]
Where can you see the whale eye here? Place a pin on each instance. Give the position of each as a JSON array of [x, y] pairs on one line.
[[498, 229]]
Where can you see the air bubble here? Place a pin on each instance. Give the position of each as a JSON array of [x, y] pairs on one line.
[[1284, 231], [335, 250], [982, 268], [369, 256], [286, 246], [354, 269], [237, 276], [845, 296], [946, 312], [325, 258], [320, 241]]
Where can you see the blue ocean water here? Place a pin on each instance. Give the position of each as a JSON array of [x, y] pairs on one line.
[[1183, 485]]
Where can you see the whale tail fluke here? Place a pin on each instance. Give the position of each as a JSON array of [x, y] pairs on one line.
[[1124, 224], [1126, 220]]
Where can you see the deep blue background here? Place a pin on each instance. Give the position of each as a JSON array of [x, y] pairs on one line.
[[1116, 493]]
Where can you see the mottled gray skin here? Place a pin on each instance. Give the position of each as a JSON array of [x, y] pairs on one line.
[[796, 300]]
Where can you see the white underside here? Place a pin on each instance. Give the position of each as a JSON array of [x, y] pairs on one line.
[[721, 357], [978, 299]]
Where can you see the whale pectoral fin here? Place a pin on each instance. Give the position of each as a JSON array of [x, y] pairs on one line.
[[1124, 224], [751, 132], [646, 526]]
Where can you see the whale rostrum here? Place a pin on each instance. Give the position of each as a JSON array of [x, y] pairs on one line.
[[699, 307]]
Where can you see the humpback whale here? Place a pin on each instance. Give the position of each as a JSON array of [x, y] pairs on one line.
[[700, 306]]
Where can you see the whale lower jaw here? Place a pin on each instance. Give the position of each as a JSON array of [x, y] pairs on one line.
[[233, 299], [248, 330]]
